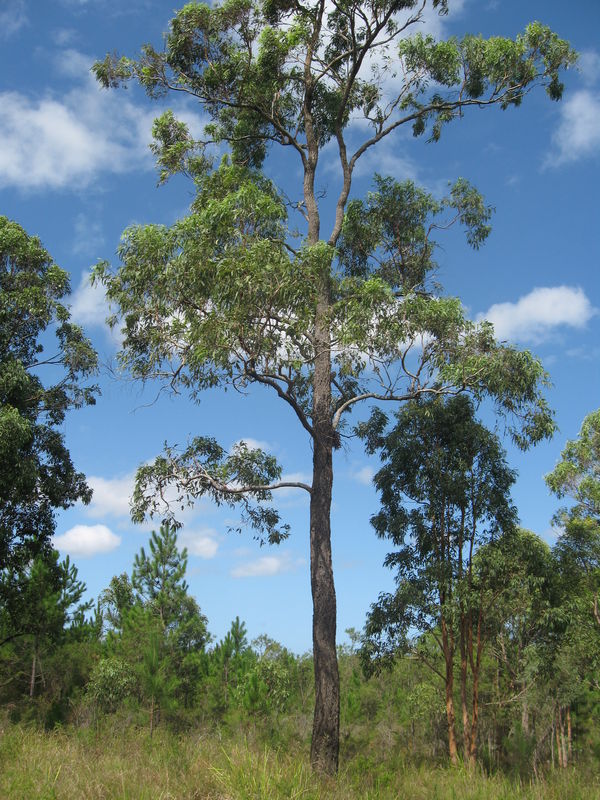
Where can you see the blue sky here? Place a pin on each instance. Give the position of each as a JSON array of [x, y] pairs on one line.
[[75, 170]]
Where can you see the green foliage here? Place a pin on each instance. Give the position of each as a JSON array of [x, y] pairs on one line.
[[245, 62], [159, 576], [445, 492], [37, 474], [577, 474], [110, 682]]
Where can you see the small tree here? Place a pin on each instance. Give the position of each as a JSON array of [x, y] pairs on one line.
[[445, 492], [154, 626], [159, 576], [49, 598]]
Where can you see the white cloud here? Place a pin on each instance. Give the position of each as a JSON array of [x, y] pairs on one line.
[[578, 133], [89, 306], [364, 475], [87, 540], [12, 17], [66, 142], [386, 158], [64, 36], [435, 23], [111, 496], [202, 543], [589, 66], [537, 314], [267, 566], [254, 444]]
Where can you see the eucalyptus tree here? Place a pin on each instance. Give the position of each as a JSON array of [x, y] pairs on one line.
[[445, 493], [228, 296]]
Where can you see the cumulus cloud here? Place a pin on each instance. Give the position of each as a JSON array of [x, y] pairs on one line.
[[254, 444], [364, 475], [535, 315], [13, 17], [267, 566], [66, 142], [589, 66], [111, 496], [578, 133], [87, 540], [90, 308], [202, 543]]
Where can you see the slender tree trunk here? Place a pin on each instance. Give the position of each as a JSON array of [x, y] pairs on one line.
[[557, 734], [476, 672], [463, 692], [326, 723], [33, 665], [450, 713], [324, 751], [563, 742], [474, 722], [451, 717], [525, 713], [151, 716], [569, 735]]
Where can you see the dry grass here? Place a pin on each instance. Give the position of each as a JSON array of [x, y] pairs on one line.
[[85, 765]]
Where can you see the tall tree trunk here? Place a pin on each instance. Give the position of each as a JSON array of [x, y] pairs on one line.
[[475, 672], [569, 735], [324, 751], [326, 724], [451, 717]]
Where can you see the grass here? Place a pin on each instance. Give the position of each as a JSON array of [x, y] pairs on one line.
[[86, 765]]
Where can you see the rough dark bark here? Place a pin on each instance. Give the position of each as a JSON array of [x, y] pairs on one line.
[[326, 723]]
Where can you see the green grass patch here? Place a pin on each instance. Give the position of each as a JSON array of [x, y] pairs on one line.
[[103, 765]]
